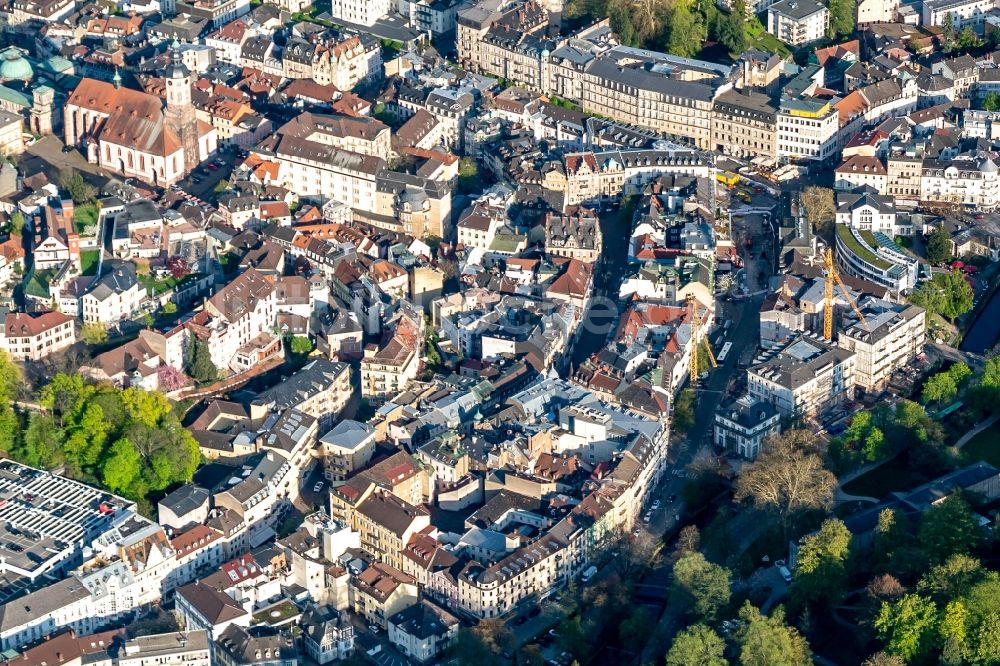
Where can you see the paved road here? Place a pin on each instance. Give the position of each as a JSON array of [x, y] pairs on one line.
[[48, 152], [615, 230], [975, 431]]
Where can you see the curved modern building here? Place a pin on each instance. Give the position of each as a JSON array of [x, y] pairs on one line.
[[876, 258]]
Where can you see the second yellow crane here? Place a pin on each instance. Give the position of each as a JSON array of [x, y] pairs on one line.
[[695, 331], [832, 276]]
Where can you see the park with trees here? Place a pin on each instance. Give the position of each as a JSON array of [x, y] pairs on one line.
[[129, 441]]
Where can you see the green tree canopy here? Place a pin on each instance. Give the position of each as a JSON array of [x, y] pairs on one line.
[[947, 294], [842, 17], [703, 585], [687, 32], [684, 410], [301, 345], [121, 466], [908, 626], [952, 578], [949, 528], [698, 645], [199, 363], [11, 379], [938, 245], [821, 564], [768, 641]]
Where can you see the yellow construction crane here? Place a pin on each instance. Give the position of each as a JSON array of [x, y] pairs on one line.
[[832, 276], [695, 330]]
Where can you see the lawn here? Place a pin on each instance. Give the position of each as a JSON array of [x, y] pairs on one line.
[[277, 614], [38, 286], [984, 446], [88, 261], [85, 216], [890, 477], [759, 38], [156, 287]]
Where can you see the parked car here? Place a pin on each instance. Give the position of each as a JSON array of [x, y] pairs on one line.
[[785, 573], [318, 487]]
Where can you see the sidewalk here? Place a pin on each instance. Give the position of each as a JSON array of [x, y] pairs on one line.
[[975, 431]]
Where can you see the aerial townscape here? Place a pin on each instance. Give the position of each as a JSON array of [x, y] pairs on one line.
[[499, 332]]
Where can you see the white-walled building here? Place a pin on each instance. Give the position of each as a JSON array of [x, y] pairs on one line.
[[867, 211], [893, 337], [363, 12], [798, 22], [807, 129], [804, 378]]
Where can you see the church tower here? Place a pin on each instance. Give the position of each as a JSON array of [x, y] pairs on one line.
[[180, 115]]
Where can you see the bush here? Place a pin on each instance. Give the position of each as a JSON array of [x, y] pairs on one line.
[[300, 345]]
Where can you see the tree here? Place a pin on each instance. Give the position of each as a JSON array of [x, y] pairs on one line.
[[199, 363], [967, 39], [702, 585], [687, 32], [637, 627], [572, 638], [79, 190], [885, 588], [17, 224], [620, 18], [819, 206], [698, 645], [87, 438], [468, 175], [64, 395], [221, 186], [301, 345], [842, 17], [684, 410], [990, 103], [121, 466], [948, 33], [938, 388], [170, 378], [821, 565], [94, 333], [786, 478], [469, 648], [938, 245], [10, 430], [955, 577], [949, 528], [633, 553], [732, 29], [883, 659], [41, 445], [947, 294], [908, 626], [169, 308], [688, 539], [145, 407], [893, 535], [11, 379], [953, 631], [768, 641]]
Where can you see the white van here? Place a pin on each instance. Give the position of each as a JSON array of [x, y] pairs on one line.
[[589, 573]]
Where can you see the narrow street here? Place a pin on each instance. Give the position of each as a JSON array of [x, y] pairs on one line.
[[608, 275]]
